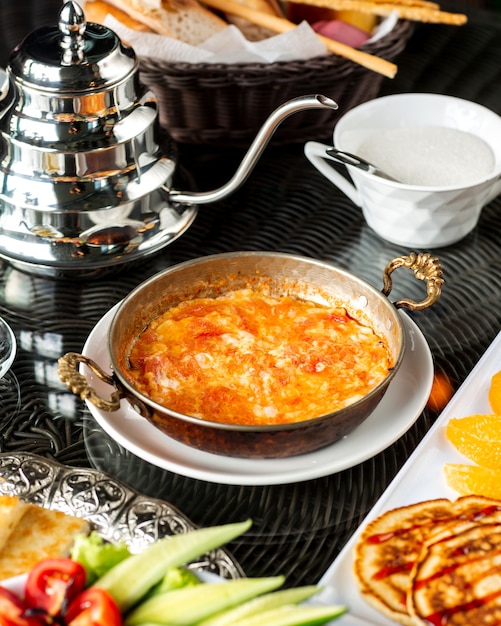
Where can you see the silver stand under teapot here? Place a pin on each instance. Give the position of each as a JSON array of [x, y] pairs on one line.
[[84, 181]]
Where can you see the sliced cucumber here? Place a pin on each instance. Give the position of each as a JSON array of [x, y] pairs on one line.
[[128, 581], [189, 605], [294, 615], [262, 603], [176, 578]]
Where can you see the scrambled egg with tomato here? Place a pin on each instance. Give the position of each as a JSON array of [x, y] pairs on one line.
[[249, 358]]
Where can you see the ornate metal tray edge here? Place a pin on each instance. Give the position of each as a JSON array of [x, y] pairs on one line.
[[116, 511]]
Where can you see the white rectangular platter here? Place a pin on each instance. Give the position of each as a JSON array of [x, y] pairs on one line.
[[421, 478]]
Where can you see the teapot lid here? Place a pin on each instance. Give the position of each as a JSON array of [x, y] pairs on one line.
[[72, 55]]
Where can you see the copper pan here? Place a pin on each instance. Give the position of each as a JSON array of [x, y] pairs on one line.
[[283, 274]]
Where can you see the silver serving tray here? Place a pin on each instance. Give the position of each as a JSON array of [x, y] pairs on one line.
[[116, 511]]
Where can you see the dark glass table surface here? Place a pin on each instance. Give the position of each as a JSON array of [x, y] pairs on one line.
[[286, 206]]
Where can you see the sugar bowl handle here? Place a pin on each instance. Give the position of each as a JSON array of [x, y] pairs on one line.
[[425, 267], [77, 383], [318, 155]]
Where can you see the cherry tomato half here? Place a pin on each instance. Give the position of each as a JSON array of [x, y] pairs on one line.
[[53, 583], [93, 607], [12, 609]]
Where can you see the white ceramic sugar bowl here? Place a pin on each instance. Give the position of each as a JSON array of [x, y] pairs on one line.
[[416, 215]]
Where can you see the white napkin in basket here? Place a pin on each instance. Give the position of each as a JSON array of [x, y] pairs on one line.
[[230, 46]]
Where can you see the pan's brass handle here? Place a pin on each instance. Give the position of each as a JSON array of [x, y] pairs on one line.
[[425, 267], [77, 383]]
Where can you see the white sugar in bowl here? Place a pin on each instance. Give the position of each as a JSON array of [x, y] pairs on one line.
[[445, 153]]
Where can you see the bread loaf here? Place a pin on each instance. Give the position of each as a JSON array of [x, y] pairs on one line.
[[185, 20], [97, 11]]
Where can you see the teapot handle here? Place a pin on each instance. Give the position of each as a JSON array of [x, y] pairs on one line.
[[255, 150]]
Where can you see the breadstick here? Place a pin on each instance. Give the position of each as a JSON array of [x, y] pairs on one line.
[[403, 3], [281, 25], [416, 13]]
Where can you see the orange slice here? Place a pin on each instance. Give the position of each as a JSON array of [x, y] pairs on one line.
[[478, 437], [473, 479], [495, 393]]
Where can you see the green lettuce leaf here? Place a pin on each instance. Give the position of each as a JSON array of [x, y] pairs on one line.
[[97, 555]]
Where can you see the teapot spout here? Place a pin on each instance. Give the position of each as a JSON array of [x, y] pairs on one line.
[[255, 150]]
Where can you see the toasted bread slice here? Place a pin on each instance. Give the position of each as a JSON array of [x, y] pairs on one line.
[[97, 11], [392, 543], [11, 511], [185, 20], [40, 533], [458, 580]]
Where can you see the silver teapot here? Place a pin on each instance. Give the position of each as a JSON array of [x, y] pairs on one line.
[[85, 181]]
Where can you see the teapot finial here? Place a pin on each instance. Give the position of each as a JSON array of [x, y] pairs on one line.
[[72, 26]]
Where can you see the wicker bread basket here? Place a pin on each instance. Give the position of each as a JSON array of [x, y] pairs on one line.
[[225, 105]]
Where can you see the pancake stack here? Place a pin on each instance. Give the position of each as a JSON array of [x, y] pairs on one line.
[[435, 562]]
